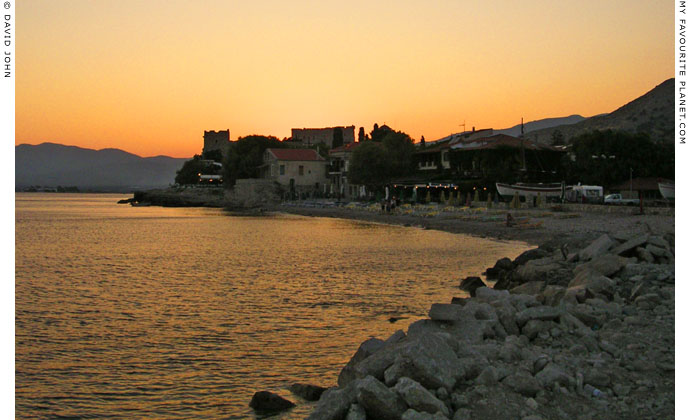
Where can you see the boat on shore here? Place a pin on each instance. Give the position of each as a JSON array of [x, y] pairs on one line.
[[667, 190], [553, 190]]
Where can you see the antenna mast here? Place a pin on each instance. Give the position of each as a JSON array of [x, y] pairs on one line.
[[522, 144]]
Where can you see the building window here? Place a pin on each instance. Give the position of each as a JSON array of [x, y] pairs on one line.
[[282, 169], [301, 170], [445, 156]]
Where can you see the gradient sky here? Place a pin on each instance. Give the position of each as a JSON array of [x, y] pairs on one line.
[[150, 76]]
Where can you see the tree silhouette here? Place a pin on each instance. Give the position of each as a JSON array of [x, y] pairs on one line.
[[246, 155]]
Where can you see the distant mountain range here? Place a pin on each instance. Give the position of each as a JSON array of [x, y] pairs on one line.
[[50, 164], [651, 113]]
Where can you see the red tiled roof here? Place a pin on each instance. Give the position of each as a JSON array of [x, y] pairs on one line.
[[295, 154], [345, 148]]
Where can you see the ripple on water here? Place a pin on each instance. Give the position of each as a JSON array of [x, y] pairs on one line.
[[184, 313]]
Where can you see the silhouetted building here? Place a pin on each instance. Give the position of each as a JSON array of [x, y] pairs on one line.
[[217, 140], [338, 170], [310, 136]]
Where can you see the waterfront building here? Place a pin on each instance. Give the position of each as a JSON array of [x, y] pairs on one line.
[[340, 186], [301, 171]]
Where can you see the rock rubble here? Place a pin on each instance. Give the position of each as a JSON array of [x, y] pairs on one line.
[[581, 333]]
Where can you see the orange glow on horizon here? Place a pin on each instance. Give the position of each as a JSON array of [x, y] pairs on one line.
[[150, 77]]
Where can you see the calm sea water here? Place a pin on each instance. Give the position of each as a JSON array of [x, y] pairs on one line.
[[148, 312]]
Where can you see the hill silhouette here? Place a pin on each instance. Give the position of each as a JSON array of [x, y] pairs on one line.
[[651, 113], [541, 124], [51, 164]]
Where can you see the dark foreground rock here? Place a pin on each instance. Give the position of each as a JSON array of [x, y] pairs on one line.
[[269, 402], [589, 336], [471, 284], [306, 391]]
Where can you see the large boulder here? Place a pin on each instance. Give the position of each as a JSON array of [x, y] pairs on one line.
[[507, 318], [268, 402], [522, 383], [378, 401], [535, 270], [629, 245], [594, 282], [539, 313], [425, 355], [306, 391], [470, 284], [335, 403], [599, 247], [606, 265], [429, 360], [487, 294], [356, 412], [447, 312], [552, 373], [418, 397], [530, 288], [576, 294], [533, 327], [528, 255], [552, 295], [659, 241], [504, 264], [366, 349], [644, 255]]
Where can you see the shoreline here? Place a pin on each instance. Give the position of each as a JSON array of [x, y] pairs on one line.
[[543, 226], [535, 226]]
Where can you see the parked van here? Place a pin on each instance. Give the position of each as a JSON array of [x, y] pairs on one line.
[[592, 194]]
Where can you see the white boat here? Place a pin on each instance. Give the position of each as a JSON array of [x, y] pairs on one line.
[[532, 190], [667, 190]]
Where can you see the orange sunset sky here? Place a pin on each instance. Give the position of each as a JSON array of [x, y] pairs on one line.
[[150, 76]]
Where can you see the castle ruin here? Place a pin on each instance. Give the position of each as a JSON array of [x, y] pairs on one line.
[[216, 140], [311, 136]]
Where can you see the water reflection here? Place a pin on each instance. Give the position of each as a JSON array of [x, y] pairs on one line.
[[176, 313]]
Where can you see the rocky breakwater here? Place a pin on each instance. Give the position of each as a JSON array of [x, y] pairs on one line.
[[245, 194], [177, 197], [581, 334]]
